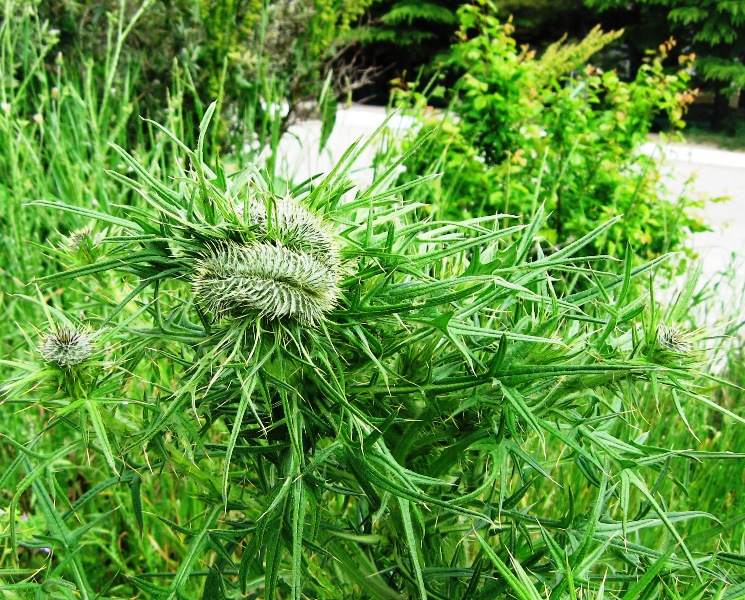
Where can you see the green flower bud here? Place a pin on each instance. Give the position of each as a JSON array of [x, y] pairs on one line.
[[672, 339], [292, 225]]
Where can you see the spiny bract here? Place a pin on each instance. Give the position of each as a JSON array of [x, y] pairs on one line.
[[290, 224], [673, 339]]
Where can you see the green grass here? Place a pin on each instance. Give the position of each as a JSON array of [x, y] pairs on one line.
[[460, 414]]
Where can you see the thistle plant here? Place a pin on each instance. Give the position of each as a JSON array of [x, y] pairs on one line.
[[369, 405], [70, 379]]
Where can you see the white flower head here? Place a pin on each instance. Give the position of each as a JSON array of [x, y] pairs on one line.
[[672, 339], [66, 346]]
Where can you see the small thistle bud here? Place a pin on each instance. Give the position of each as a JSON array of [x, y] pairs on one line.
[[79, 237], [672, 339], [264, 279], [66, 347]]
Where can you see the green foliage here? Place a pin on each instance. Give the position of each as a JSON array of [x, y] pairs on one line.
[[713, 29], [302, 40], [403, 407], [495, 84], [407, 23], [229, 29], [407, 13], [541, 15], [718, 36], [449, 377], [526, 131], [332, 22], [397, 22], [454, 426], [255, 56]]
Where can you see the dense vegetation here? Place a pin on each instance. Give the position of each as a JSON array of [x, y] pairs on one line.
[[456, 381], [404, 36], [522, 131]]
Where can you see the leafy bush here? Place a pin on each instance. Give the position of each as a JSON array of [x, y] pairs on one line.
[[522, 131], [341, 399]]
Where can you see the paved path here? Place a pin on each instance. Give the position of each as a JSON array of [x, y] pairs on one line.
[[718, 176], [300, 148], [700, 171]]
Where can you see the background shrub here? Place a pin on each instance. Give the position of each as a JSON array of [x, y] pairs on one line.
[[249, 53], [522, 131]]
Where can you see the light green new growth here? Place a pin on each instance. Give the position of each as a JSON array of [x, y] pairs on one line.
[[561, 58]]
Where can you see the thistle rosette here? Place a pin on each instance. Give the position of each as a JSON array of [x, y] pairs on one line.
[[291, 270]]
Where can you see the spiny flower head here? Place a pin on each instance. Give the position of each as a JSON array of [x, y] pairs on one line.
[[290, 270], [264, 279], [79, 237], [672, 339], [83, 238], [66, 346], [290, 224]]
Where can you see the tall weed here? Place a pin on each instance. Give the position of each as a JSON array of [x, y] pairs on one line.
[[356, 402], [226, 384]]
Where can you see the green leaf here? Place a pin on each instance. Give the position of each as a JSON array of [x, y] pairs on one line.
[[522, 587], [636, 590], [413, 546], [199, 541], [90, 213]]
